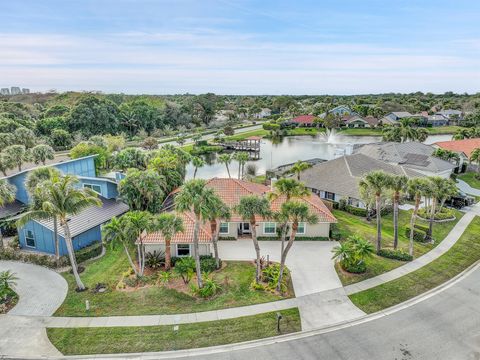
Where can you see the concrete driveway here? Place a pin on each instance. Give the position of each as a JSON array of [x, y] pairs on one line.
[[310, 262]]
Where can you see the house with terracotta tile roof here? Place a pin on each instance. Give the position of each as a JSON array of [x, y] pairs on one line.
[[303, 120], [465, 146], [231, 191]]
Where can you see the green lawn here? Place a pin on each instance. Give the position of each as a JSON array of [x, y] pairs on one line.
[[471, 179], [258, 132], [463, 254], [110, 340], [439, 130], [360, 132], [235, 280], [305, 131], [349, 224]]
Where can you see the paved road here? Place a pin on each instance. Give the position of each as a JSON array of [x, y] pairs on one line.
[[463, 186]]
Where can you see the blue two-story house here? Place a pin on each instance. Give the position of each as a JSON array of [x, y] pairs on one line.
[[85, 227]]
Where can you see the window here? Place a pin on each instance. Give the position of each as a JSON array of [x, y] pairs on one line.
[[96, 188], [224, 228], [329, 195], [29, 238], [183, 249], [269, 228], [301, 228]]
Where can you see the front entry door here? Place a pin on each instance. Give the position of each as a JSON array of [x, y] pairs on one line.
[[245, 228]]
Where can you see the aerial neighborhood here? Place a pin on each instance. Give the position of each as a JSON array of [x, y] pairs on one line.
[[187, 215]]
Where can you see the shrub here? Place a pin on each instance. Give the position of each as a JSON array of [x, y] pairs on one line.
[[342, 204], [354, 268], [395, 254], [356, 211], [209, 289], [185, 267], [270, 126], [155, 260], [270, 275], [443, 214], [353, 253], [418, 234], [89, 252], [424, 228], [164, 277], [207, 263], [298, 238]]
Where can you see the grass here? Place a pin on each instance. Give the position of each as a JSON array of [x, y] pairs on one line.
[[299, 131], [235, 280], [471, 179], [349, 224], [464, 253], [110, 340], [439, 130], [258, 132]]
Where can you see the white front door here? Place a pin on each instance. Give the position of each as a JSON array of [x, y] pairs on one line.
[[245, 228]]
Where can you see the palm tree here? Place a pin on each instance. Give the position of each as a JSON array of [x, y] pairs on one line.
[[299, 167], [225, 159], [415, 187], [377, 181], [195, 196], [197, 162], [475, 157], [219, 211], [440, 190], [242, 158], [115, 231], [17, 155], [62, 199], [294, 212], [34, 179], [5, 163], [249, 208], [397, 184], [168, 224], [422, 134], [290, 189], [136, 222], [41, 153], [7, 195]]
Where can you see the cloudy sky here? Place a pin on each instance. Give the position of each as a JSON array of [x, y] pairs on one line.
[[241, 46]]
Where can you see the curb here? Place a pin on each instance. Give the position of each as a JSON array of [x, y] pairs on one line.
[[277, 339]]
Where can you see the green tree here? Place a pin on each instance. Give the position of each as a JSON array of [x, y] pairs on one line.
[[294, 212], [6, 163], [130, 158], [41, 153], [195, 196], [416, 187], [62, 198], [219, 211], [299, 167], [249, 208], [168, 224], [225, 159], [197, 163], [474, 157], [143, 190], [8, 281], [47, 125], [115, 231], [17, 155], [135, 224], [86, 149], [440, 189], [7, 195], [150, 143], [398, 184], [242, 158], [25, 137], [376, 182], [60, 139]]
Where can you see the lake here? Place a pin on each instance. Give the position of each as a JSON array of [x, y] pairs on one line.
[[290, 149]]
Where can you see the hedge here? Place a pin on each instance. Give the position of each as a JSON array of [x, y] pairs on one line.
[[298, 238], [418, 234], [395, 254], [444, 214], [227, 238], [356, 211], [89, 252], [421, 227]]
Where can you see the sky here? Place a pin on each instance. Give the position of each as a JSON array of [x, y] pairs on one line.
[[241, 46]]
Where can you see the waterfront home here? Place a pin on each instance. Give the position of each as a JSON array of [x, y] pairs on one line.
[[463, 148], [339, 178], [303, 120], [357, 121], [231, 191], [37, 235], [413, 155]]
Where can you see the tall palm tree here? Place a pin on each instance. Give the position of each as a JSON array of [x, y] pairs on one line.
[[422, 134], [7, 195], [62, 198], [397, 184], [295, 212], [136, 222], [34, 179], [440, 190], [242, 158], [377, 181], [290, 189], [195, 196], [299, 167], [115, 231], [219, 211], [168, 224], [226, 159], [197, 162], [249, 208], [415, 187]]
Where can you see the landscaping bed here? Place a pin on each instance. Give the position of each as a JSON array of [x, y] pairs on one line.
[[110, 340], [8, 303], [151, 297], [349, 224], [464, 253]]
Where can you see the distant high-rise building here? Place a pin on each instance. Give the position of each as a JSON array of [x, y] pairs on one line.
[[25, 91], [5, 91], [15, 90]]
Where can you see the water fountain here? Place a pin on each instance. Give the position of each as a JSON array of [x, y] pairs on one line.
[[329, 136]]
